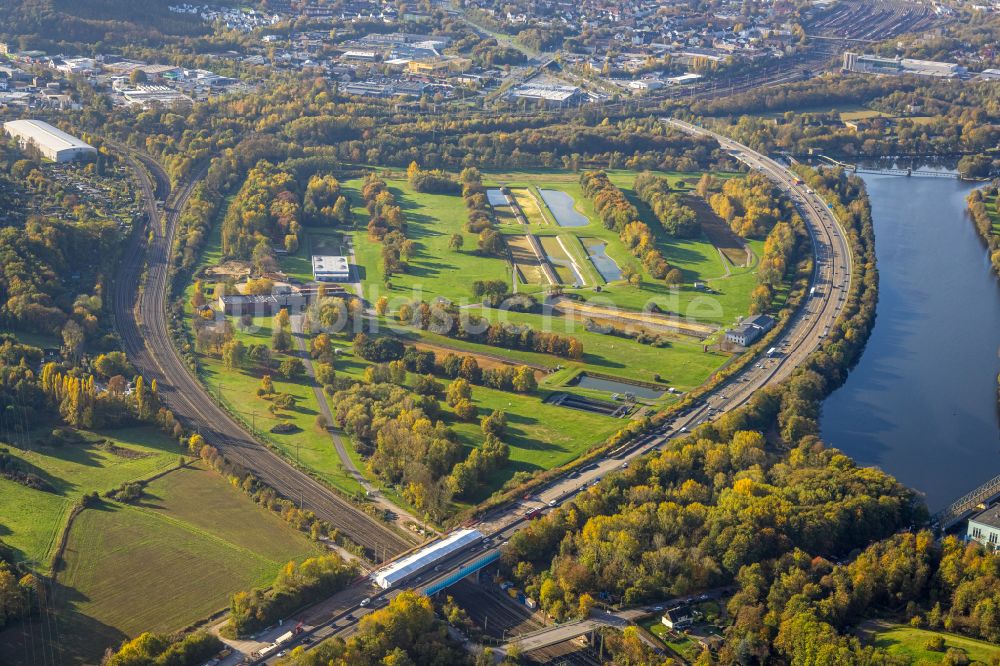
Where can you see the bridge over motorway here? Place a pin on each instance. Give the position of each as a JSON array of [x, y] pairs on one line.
[[560, 633]]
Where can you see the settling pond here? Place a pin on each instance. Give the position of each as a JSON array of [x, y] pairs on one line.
[[604, 264], [921, 403], [496, 197], [584, 380], [561, 205]]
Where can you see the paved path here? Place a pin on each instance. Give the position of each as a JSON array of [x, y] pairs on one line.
[[372, 492]]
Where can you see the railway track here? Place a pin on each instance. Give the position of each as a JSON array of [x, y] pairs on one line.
[[141, 320]]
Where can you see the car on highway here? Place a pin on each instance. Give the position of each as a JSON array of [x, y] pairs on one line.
[[552, 503], [365, 601]]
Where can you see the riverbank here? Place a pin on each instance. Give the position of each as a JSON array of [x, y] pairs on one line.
[[986, 216]]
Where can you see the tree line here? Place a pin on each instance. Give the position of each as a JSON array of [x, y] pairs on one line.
[[618, 214]]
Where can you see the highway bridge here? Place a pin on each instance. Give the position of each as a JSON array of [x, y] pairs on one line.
[[804, 332]]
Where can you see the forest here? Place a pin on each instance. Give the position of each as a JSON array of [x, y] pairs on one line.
[[744, 499]]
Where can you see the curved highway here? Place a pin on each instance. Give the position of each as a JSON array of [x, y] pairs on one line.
[[142, 324], [804, 333]]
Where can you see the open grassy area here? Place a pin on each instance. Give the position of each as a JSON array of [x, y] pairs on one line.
[[237, 388], [530, 206], [308, 445], [168, 561], [542, 436], [991, 208], [908, 642], [435, 270], [31, 520], [174, 558], [678, 642]]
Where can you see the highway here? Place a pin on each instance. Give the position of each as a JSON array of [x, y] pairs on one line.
[[803, 334], [141, 322]]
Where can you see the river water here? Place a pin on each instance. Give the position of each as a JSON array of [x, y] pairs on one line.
[[921, 403]]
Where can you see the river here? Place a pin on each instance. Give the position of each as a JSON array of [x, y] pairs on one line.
[[921, 403]]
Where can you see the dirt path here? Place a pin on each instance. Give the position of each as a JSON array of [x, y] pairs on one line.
[[686, 327]]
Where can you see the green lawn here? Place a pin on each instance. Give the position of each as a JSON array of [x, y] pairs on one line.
[[32, 520], [237, 388], [908, 642], [310, 446], [173, 559], [991, 208], [541, 436], [436, 270], [678, 642]]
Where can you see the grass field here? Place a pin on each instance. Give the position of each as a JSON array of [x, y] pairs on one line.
[[174, 558], [679, 643], [908, 642], [309, 445], [527, 263], [31, 520], [436, 270], [162, 564], [560, 261], [991, 208], [237, 388]]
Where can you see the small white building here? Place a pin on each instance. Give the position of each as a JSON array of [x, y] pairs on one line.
[[51, 142], [677, 618], [984, 527], [330, 268]]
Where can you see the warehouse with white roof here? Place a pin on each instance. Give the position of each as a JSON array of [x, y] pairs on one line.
[[51, 142], [425, 557]]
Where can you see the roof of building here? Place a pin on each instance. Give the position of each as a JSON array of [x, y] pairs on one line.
[[742, 329], [551, 92], [760, 320], [329, 264], [44, 134], [989, 517], [397, 571]]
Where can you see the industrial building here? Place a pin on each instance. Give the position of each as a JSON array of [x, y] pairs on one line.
[[750, 330], [52, 143], [552, 95], [871, 64], [425, 557], [261, 304], [330, 268]]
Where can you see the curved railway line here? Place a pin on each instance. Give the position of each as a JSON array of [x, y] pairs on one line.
[[141, 321]]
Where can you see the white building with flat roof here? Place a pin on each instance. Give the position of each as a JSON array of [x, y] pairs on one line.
[[53, 143], [425, 557], [328, 268]]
